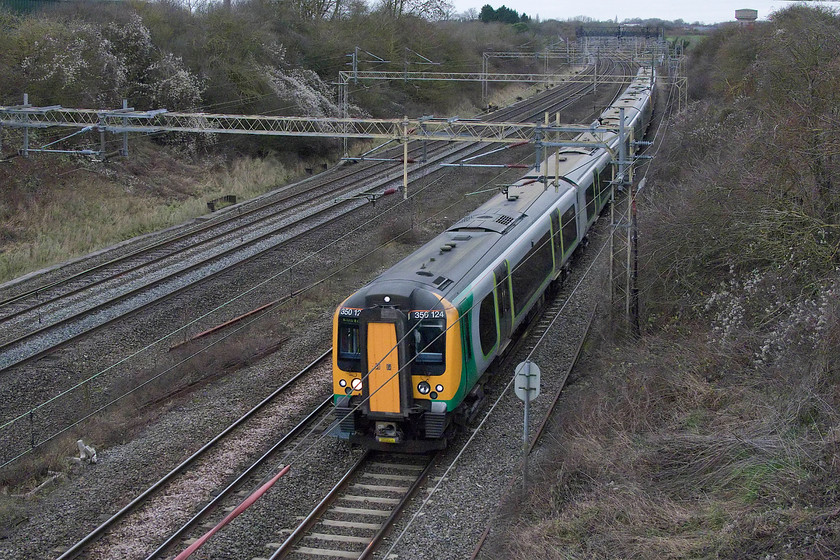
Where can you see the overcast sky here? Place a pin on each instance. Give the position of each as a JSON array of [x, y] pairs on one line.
[[704, 11]]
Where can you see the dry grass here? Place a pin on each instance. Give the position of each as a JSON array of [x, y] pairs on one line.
[[59, 209], [660, 454]]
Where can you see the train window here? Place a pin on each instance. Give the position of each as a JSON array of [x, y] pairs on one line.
[[487, 323], [530, 272], [466, 335], [589, 199], [555, 231], [569, 229], [500, 275], [606, 180], [429, 345], [349, 346], [596, 182]]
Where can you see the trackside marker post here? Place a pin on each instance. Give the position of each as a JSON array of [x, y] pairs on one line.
[[526, 385]]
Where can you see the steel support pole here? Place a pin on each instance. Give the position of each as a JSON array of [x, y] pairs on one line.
[[622, 177], [356, 65], [124, 151], [612, 244], [622, 148], [343, 110], [629, 256], [634, 290], [25, 151], [484, 67], [405, 159], [545, 176], [101, 137], [557, 159]]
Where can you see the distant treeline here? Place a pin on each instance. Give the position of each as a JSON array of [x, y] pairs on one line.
[[255, 57], [502, 15]]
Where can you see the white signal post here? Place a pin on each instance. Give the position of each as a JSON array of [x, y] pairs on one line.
[[526, 385]]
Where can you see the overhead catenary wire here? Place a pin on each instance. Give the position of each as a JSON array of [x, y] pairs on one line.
[[312, 443], [550, 240], [83, 382], [396, 208], [322, 436], [478, 428], [471, 438], [296, 456], [584, 277], [443, 333], [411, 360]]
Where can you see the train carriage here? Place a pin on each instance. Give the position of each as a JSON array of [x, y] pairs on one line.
[[410, 348]]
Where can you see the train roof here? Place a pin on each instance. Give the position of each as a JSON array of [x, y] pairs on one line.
[[451, 261]]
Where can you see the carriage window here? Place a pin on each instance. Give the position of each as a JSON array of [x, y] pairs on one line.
[[349, 347], [555, 231], [596, 181], [569, 229], [530, 273], [590, 204], [429, 342], [487, 323], [606, 186]]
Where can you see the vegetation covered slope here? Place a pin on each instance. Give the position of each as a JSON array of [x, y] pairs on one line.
[[265, 57], [717, 433]]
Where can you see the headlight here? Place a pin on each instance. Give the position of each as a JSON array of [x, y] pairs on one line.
[[342, 383], [424, 388], [439, 388], [356, 384]]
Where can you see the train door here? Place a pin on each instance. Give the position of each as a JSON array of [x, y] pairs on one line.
[[386, 389], [503, 299], [382, 357]]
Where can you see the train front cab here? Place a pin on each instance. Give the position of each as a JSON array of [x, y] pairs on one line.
[[396, 372]]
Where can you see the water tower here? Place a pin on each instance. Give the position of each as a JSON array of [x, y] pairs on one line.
[[746, 17]]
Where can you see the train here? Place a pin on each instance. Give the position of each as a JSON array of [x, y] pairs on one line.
[[411, 349]]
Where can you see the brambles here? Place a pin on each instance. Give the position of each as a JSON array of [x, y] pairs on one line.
[[716, 434]]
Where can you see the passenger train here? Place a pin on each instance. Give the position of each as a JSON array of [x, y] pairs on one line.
[[410, 349]]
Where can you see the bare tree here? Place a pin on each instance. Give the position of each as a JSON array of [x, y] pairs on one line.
[[316, 9], [427, 9]]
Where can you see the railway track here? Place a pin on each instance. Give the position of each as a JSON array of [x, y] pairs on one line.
[[213, 511], [103, 308], [19, 300], [355, 516], [78, 306], [360, 510], [133, 515], [39, 320]]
